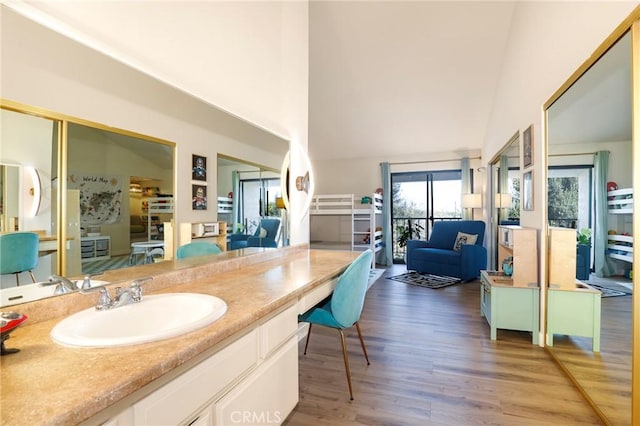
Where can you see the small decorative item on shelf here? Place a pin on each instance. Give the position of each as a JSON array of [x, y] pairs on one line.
[[365, 200], [507, 266]]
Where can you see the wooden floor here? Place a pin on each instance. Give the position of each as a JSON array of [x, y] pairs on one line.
[[433, 363]]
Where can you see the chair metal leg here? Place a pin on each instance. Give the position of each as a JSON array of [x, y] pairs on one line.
[[17, 274], [346, 362], [307, 343], [364, 349], [32, 277]]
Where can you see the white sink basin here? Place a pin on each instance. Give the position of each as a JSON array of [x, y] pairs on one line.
[[155, 318]]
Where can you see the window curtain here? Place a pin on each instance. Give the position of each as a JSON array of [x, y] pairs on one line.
[[504, 184], [386, 258], [235, 210], [600, 236], [466, 185]]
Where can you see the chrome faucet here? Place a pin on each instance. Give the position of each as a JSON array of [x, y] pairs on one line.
[[132, 294], [63, 285]]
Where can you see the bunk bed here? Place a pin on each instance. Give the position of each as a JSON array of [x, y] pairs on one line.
[[357, 223], [157, 205]]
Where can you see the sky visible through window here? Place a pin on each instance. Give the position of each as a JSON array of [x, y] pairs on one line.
[[446, 197]]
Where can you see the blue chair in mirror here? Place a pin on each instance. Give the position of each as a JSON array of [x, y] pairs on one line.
[[19, 253], [265, 236], [343, 308], [197, 248]]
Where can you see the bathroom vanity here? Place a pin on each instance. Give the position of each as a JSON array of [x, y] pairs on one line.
[[243, 368]]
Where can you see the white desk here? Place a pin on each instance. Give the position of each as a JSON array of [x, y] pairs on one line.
[[145, 248]]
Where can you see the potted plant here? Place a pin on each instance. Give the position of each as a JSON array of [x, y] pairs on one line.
[[583, 254], [584, 236], [408, 232]]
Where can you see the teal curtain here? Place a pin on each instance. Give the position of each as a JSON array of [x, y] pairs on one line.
[[600, 236], [466, 185], [386, 258], [235, 215]]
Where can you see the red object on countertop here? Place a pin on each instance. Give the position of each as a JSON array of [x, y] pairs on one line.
[[10, 320]]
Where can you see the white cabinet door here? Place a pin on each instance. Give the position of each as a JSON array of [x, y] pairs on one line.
[[268, 395]]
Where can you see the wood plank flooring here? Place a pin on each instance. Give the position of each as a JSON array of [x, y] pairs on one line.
[[433, 363]]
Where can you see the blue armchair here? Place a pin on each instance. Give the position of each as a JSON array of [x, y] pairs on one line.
[[265, 236], [445, 254]]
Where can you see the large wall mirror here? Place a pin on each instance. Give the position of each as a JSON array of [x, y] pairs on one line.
[[504, 184], [590, 152], [111, 176], [249, 193]]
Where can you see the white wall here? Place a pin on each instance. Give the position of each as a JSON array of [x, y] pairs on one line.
[[42, 68]]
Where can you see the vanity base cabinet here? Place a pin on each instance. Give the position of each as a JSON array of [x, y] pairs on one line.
[[574, 312], [254, 377], [509, 307]]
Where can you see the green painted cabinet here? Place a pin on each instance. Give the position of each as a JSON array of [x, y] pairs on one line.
[[574, 312], [508, 307]]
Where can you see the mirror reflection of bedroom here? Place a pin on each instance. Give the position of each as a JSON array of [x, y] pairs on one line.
[[125, 187], [590, 174]]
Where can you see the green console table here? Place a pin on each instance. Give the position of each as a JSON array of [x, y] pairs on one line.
[[509, 307]]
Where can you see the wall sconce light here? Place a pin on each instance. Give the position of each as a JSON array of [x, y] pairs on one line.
[[471, 201], [303, 183], [34, 186]]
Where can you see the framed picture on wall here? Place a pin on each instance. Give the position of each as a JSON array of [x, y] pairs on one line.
[[527, 147], [527, 191], [199, 197], [199, 167]]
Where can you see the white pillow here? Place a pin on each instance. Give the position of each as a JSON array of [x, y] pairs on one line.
[[262, 233], [463, 238]]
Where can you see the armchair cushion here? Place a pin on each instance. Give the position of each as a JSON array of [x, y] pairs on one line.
[[463, 238], [438, 256]]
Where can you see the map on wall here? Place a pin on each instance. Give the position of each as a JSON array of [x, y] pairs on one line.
[[100, 197]]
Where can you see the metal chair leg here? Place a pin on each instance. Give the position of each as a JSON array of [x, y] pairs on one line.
[[364, 349], [346, 362], [32, 277], [307, 343], [17, 274]]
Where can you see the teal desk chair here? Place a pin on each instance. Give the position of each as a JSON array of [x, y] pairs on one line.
[[344, 307], [197, 248], [19, 253]]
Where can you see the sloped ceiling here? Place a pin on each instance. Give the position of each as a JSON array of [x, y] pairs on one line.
[[394, 78]]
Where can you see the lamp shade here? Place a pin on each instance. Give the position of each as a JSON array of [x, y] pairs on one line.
[[503, 201], [471, 201]]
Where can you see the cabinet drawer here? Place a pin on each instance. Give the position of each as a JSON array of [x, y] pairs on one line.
[[278, 329], [316, 295], [193, 389]]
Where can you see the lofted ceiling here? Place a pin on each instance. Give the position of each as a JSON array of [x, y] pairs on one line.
[[398, 78], [386, 79]]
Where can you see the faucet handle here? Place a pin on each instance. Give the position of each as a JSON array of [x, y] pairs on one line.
[[86, 283], [104, 300], [136, 290]]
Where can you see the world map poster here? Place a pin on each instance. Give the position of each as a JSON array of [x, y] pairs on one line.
[[100, 197]]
